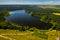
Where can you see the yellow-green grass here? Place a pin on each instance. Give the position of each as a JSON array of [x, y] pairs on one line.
[[3, 38], [17, 35], [53, 7], [48, 6], [53, 35], [56, 14], [27, 35], [24, 37]]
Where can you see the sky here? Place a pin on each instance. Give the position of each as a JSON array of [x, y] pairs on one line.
[[31, 2]]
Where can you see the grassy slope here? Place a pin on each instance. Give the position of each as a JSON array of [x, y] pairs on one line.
[[15, 34]]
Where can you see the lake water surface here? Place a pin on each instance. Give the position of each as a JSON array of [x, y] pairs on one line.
[[23, 18]]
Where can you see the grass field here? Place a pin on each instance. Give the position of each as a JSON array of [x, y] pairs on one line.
[[56, 14], [53, 7], [28, 35], [17, 35]]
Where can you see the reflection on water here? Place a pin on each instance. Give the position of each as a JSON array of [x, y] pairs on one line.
[[23, 18]]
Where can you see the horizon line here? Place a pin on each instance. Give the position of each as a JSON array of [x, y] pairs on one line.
[[31, 3]]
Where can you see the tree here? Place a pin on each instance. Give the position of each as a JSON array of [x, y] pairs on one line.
[[3, 14], [46, 16]]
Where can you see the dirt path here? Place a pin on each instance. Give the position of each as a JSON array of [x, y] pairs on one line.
[[6, 37], [2, 35], [19, 34]]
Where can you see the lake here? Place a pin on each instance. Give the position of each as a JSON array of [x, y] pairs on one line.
[[23, 18]]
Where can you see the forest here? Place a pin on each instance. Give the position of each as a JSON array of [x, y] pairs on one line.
[[46, 14]]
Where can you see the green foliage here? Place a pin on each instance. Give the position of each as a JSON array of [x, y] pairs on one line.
[[3, 14], [23, 28], [33, 29], [45, 15], [41, 34], [3, 20]]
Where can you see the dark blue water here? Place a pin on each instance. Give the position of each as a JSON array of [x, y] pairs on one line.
[[23, 18]]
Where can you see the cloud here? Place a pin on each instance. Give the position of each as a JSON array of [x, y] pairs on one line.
[[32, 3]]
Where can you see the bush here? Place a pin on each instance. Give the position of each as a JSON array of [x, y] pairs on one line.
[[23, 28]]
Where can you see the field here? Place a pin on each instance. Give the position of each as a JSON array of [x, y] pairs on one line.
[[52, 7], [27, 35], [56, 14], [17, 35]]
